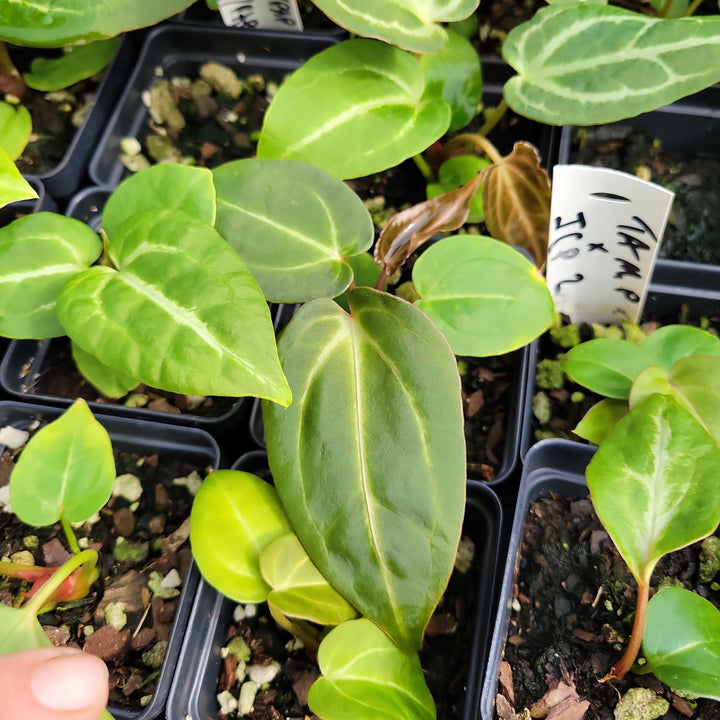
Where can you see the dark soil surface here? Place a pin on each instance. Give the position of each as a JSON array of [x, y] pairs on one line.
[[155, 525], [572, 613]]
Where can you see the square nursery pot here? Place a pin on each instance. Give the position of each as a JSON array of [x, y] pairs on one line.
[[167, 450], [43, 370], [69, 171], [193, 695], [678, 147], [560, 558], [678, 292], [178, 50]]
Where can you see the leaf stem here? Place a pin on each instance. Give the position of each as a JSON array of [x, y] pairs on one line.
[[494, 119], [691, 8], [303, 631], [70, 536], [665, 9], [423, 167], [622, 667], [476, 142]]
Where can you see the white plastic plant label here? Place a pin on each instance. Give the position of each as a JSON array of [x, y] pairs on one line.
[[261, 14], [605, 230]]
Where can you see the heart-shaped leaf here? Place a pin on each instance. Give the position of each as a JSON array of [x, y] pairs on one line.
[[294, 225], [374, 490], [181, 312], [356, 94], [66, 471], [53, 25], [652, 482], [516, 198], [298, 588], [682, 642], [165, 186], [366, 677], [108, 381], [13, 186], [588, 64], [408, 24], [39, 253], [485, 296], [15, 129], [235, 515]]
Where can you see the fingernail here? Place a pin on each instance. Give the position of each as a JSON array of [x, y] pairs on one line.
[[71, 681]]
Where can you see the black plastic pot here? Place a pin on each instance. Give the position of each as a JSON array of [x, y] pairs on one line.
[[552, 468], [674, 285], [141, 437], [193, 695], [65, 178], [181, 49], [26, 361]]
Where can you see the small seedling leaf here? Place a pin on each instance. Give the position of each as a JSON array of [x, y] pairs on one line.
[[235, 515], [406, 23], [298, 588], [66, 470], [386, 504], [294, 225], [356, 94], [588, 64], [682, 642], [20, 630], [15, 129], [181, 312], [457, 171], [366, 677], [485, 296], [39, 253], [600, 420], [13, 186], [652, 482]]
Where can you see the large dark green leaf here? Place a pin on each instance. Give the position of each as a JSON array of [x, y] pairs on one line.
[[369, 459], [294, 225], [586, 64]]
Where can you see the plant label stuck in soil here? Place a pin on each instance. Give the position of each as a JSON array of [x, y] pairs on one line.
[[605, 230], [261, 14]]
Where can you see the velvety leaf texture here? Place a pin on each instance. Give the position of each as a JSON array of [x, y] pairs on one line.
[[369, 459]]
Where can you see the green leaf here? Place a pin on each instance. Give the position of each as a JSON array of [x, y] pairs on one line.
[[587, 64], [50, 24], [652, 483], [366, 273], [682, 642], [362, 95], [77, 63], [600, 420], [181, 312], [485, 296], [374, 490], [109, 382], [13, 186], [20, 630], [668, 344], [294, 225], [366, 677], [66, 470], [457, 171], [456, 70], [166, 186], [410, 24], [15, 129], [298, 588], [235, 515], [39, 253]]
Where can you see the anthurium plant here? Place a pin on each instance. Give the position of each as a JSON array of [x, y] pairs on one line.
[[65, 473]]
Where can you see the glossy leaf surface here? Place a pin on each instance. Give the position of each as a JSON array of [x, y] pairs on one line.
[[652, 483], [235, 515], [181, 312], [516, 198], [457, 171], [588, 64], [410, 24], [39, 253], [600, 419], [298, 588], [366, 677], [51, 24], [15, 128], [77, 63], [108, 381], [682, 642], [66, 470], [294, 225], [165, 186], [356, 94], [13, 186], [485, 296], [374, 490]]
